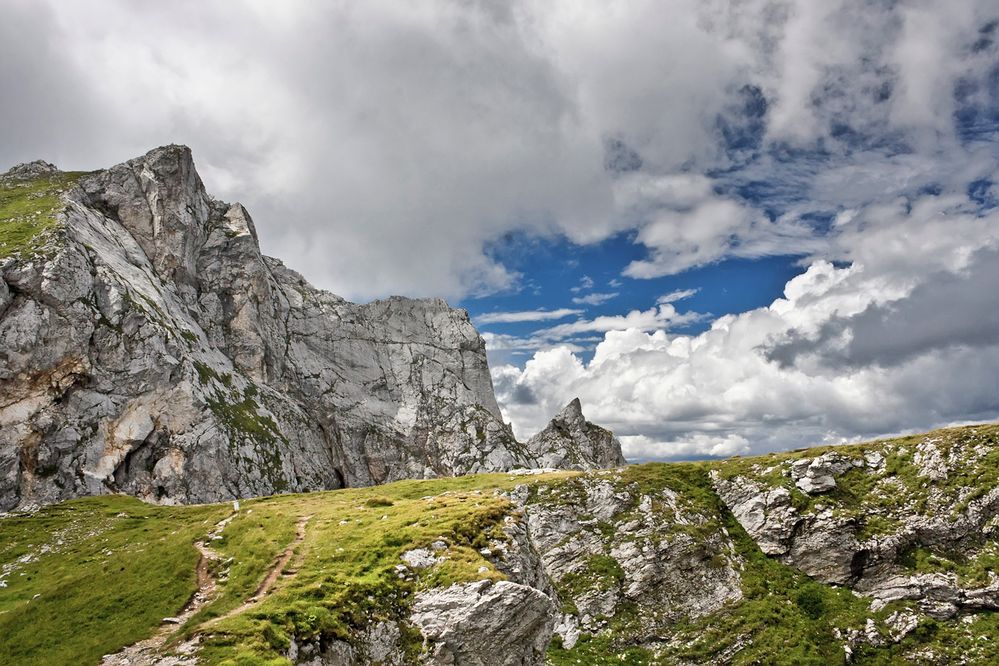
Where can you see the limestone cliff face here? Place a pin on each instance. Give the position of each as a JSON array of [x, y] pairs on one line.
[[149, 348]]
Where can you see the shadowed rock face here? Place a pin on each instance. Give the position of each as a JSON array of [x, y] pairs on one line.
[[151, 349]]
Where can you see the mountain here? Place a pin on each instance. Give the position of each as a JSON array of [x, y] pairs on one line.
[[877, 553], [569, 441], [149, 348]]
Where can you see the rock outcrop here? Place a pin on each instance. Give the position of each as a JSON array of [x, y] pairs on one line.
[[150, 348], [569, 441], [609, 548], [485, 623], [889, 521], [596, 557]]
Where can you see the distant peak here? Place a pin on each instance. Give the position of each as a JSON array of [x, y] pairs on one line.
[[31, 170], [571, 412]]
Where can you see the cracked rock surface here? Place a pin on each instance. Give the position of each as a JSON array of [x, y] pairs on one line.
[[151, 349], [571, 442], [891, 523]]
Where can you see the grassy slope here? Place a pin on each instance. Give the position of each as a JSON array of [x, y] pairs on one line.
[[28, 211], [92, 575], [114, 576], [346, 577], [109, 569], [881, 500]]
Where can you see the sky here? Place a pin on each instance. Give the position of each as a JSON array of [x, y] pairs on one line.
[[728, 227]]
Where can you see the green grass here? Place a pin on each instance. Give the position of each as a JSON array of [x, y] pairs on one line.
[[882, 501], [28, 210], [872, 496], [123, 565], [106, 570], [347, 578], [784, 617], [599, 651], [242, 417], [115, 568]]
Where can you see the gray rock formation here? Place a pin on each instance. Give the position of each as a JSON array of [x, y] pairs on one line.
[[591, 557], [602, 548], [151, 349], [485, 623], [862, 520], [609, 547], [569, 441], [818, 475], [654, 563]]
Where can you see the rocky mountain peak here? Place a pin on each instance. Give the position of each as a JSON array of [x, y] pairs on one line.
[[150, 348], [569, 441], [572, 413], [160, 200]]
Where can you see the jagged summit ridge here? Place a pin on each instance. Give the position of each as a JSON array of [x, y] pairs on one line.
[[572, 412], [150, 348], [569, 441]]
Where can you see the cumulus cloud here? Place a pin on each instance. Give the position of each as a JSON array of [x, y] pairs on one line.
[[382, 145], [579, 336], [663, 316], [892, 341], [716, 229]]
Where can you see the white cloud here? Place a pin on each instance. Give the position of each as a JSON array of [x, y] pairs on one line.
[[525, 315], [578, 336], [381, 145], [924, 57], [715, 229], [661, 317], [585, 282], [679, 190], [905, 338], [640, 447], [596, 298], [678, 295], [501, 342]]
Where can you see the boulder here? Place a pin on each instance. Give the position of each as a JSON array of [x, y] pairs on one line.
[[485, 624]]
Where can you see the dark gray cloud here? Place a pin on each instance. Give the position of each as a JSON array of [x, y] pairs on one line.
[[948, 310], [47, 110], [407, 136]]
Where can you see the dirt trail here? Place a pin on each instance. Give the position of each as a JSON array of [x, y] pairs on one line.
[[273, 574], [147, 652]]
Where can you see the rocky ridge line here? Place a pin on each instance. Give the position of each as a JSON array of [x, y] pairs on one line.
[[151, 349]]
